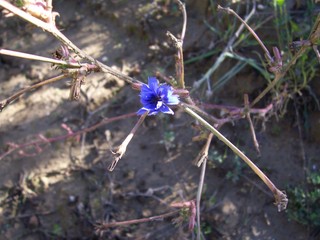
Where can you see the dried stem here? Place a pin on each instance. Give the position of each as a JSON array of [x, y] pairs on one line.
[[105, 226], [42, 139], [39, 58], [223, 54], [279, 75], [202, 158], [230, 11], [280, 197], [39, 23], [8, 100], [253, 133], [313, 38], [182, 7], [238, 110], [178, 43], [123, 147], [315, 49], [215, 120], [315, 32], [189, 204]]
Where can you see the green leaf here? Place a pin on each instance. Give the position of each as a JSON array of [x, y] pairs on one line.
[[279, 2]]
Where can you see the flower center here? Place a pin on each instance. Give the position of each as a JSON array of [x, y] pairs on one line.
[[159, 103]]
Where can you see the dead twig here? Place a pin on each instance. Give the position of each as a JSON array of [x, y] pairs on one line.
[[100, 228], [178, 43], [223, 54], [4, 103], [42, 59], [253, 133], [118, 154], [280, 197], [202, 159], [43, 140]]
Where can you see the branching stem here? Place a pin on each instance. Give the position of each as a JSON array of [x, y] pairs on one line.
[[280, 198]]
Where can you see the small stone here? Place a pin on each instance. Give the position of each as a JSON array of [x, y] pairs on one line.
[[33, 221]]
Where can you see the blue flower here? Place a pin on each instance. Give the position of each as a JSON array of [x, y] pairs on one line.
[[155, 98]]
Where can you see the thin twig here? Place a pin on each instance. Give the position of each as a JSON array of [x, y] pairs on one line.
[[244, 23], [39, 58], [178, 43], [43, 140], [280, 197], [182, 7], [118, 154], [223, 54], [279, 75], [203, 159], [105, 226], [315, 49], [8, 100], [39, 23], [253, 133], [217, 121]]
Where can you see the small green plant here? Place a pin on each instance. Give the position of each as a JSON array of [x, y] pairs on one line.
[[305, 200], [217, 159], [235, 173], [57, 230]]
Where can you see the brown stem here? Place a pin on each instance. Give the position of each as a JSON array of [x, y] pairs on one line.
[[8, 100], [66, 136], [203, 159], [253, 133], [182, 7], [230, 11], [279, 75], [280, 197], [39, 58], [105, 226], [123, 147]]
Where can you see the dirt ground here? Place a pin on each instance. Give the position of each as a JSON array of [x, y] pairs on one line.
[[60, 190]]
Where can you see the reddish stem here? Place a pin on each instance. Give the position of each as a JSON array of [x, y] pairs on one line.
[[66, 136]]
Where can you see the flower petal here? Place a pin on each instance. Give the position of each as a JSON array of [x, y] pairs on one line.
[[172, 99], [166, 94], [165, 109], [142, 111], [146, 92], [149, 105], [155, 98], [153, 84]]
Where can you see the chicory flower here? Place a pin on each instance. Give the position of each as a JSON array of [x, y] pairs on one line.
[[156, 98]]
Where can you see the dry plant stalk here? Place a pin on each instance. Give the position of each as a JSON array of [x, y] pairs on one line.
[[10, 99], [281, 199], [118, 154], [276, 63]]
